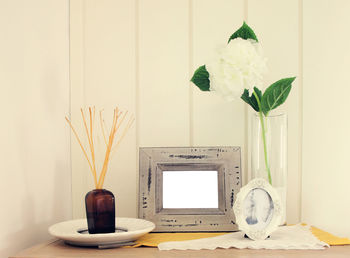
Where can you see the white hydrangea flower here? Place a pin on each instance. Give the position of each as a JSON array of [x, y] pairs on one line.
[[237, 66]]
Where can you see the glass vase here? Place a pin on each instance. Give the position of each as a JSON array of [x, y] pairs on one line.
[[270, 154], [100, 211]]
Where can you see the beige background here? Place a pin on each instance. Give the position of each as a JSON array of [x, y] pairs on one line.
[[326, 124], [35, 185], [141, 54]]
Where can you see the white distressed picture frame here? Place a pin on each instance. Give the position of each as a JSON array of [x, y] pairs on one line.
[[153, 161], [259, 229]]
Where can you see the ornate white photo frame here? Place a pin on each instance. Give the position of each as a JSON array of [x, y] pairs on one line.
[[258, 209]]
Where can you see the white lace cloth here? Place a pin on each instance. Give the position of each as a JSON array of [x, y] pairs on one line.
[[286, 237]]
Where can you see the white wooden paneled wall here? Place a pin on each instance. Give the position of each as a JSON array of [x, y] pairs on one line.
[[141, 55], [326, 123]]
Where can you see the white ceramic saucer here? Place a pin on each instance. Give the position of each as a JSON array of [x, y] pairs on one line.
[[74, 232]]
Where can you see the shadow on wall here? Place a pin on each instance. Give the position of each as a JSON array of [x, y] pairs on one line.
[[38, 200], [24, 237], [35, 229], [41, 176]]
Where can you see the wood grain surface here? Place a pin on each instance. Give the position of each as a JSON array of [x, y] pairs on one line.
[[57, 249]]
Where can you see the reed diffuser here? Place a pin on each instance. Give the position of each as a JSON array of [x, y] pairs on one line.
[[100, 203]]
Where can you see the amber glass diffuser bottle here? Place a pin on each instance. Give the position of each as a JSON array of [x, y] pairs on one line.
[[100, 211]]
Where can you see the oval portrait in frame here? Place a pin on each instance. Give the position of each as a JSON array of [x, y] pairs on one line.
[[257, 209]]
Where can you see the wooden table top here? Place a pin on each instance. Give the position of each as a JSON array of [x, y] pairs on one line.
[[58, 249]]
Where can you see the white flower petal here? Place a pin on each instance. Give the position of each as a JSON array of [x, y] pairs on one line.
[[237, 66]]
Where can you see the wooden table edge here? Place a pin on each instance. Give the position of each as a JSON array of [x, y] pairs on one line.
[[333, 251]]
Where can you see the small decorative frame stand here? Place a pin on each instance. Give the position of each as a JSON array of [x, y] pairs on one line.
[[258, 209], [189, 189]]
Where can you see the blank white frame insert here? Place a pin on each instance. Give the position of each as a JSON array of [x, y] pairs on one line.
[[190, 189]]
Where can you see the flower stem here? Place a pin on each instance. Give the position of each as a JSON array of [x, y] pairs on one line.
[[263, 131], [265, 148]]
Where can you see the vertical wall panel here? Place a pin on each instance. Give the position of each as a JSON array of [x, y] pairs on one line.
[[326, 137], [79, 165], [163, 73], [107, 79], [276, 24], [215, 121]]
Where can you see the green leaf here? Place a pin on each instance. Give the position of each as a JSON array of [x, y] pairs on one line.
[[244, 32], [251, 100], [258, 92], [201, 78], [246, 98], [276, 94]]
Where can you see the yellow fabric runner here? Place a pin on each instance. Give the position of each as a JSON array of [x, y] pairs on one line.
[[329, 238], [153, 239]]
